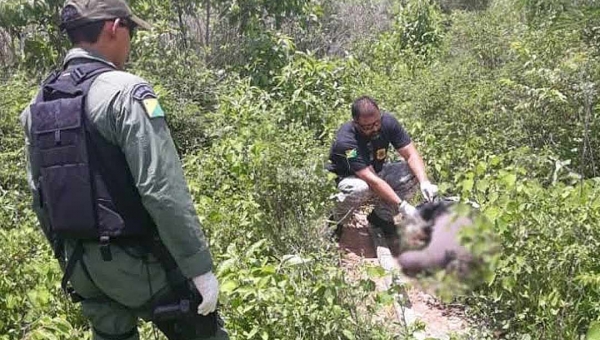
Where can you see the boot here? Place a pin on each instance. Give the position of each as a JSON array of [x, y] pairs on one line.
[[390, 233], [388, 227]]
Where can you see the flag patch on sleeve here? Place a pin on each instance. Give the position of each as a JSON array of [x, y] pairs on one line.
[[146, 96], [152, 107]]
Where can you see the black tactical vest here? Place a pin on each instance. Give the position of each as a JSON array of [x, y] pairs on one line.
[[85, 184]]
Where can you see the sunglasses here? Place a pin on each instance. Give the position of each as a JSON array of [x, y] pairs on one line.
[[130, 25], [368, 127]]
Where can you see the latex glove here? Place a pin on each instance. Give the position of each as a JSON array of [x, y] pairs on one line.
[[208, 287], [410, 214], [429, 190]]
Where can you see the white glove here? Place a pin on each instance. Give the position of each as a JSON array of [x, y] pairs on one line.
[[208, 287], [410, 214], [429, 190]]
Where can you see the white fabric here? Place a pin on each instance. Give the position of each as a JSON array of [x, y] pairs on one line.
[[429, 190], [208, 287], [354, 192], [409, 213]]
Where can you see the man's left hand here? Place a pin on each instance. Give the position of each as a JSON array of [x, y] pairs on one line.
[[429, 190]]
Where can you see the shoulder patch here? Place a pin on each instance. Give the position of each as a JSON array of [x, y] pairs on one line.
[[146, 96], [143, 91], [350, 154]]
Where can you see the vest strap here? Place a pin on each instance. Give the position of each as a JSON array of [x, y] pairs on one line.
[[75, 257], [175, 278]]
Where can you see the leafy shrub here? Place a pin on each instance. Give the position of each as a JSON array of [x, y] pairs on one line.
[[416, 35], [546, 282], [290, 297], [502, 110]]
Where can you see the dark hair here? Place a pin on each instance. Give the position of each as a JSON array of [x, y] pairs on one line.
[[429, 211], [364, 105], [88, 33]]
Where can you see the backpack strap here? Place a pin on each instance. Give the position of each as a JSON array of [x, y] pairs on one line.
[[88, 71], [81, 77]]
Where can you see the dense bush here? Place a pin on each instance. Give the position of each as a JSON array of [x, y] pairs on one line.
[[502, 106], [547, 279]]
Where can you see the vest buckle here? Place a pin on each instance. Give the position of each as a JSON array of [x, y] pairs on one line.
[[105, 248]]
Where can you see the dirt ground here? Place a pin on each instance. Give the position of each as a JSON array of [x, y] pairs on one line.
[[440, 320]]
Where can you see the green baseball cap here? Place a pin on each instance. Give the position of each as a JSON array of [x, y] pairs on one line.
[[76, 13]]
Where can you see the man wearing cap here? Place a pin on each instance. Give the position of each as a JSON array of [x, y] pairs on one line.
[[109, 190], [359, 157]]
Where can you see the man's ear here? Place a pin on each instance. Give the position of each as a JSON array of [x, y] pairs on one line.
[[110, 28]]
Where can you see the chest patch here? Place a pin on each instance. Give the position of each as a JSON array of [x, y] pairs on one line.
[[381, 154]]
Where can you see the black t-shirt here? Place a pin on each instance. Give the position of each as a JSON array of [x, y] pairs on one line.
[[351, 151]]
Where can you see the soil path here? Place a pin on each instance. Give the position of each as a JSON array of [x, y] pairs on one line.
[[441, 321]]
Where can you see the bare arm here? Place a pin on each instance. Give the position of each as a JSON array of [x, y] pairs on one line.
[[414, 160], [380, 187]]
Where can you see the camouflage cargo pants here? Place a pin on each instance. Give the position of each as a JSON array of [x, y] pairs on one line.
[[354, 192]]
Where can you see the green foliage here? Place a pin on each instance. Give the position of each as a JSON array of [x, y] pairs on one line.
[[313, 92], [549, 241], [253, 148], [265, 54], [416, 35], [594, 332], [267, 295], [419, 27], [541, 10], [503, 109], [549, 12], [504, 117], [249, 15], [34, 306], [36, 24], [466, 5]]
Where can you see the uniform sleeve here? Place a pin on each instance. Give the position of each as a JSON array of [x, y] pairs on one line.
[[143, 135], [398, 135], [346, 155]]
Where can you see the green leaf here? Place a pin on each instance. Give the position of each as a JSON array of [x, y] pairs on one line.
[[348, 334], [509, 180], [467, 185], [375, 271], [594, 331], [228, 286]]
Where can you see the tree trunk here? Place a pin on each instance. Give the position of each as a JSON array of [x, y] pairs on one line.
[[5, 49], [207, 32], [181, 24]]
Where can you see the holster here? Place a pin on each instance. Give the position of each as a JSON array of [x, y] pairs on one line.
[[177, 315]]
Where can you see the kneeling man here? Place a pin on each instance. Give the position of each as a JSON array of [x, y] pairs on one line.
[[358, 156]]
